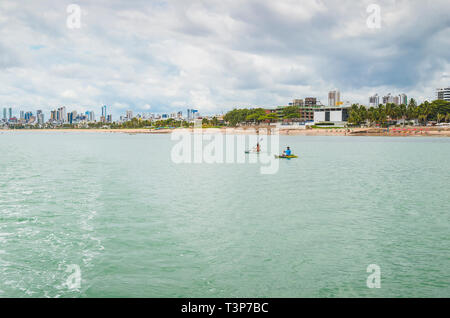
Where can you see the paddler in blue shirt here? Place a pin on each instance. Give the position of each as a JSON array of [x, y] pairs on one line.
[[288, 151]]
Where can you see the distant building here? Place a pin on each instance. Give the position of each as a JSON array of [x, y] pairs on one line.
[[61, 115], [334, 98], [53, 115], [374, 101], [109, 118], [10, 113], [297, 102], [388, 99], [4, 115], [403, 99], [396, 100], [310, 101], [129, 115], [40, 117], [27, 116], [192, 114], [443, 94], [305, 108], [90, 116]]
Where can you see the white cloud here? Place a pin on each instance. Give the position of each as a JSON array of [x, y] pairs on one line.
[[215, 55], [69, 94]]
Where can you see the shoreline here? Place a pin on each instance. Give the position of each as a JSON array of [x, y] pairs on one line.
[[379, 132]]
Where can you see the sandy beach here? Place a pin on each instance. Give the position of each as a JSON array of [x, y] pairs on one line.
[[392, 132]]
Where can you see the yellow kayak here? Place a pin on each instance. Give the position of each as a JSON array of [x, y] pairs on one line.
[[286, 157]]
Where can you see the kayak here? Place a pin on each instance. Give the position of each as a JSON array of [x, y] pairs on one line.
[[248, 152], [286, 157]]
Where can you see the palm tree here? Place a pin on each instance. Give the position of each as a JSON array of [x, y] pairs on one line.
[[422, 118], [425, 111], [403, 112]]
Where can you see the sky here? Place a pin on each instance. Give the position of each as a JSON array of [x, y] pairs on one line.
[[166, 56]]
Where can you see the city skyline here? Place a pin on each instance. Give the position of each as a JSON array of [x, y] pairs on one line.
[[62, 116], [171, 55]]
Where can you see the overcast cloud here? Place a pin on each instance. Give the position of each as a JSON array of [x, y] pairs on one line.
[[164, 56]]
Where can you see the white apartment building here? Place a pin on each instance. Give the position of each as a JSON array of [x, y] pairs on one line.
[[443, 94]]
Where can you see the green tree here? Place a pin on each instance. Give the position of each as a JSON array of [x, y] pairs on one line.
[[291, 112]]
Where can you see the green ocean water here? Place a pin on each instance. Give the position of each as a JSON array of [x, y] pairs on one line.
[[139, 225]]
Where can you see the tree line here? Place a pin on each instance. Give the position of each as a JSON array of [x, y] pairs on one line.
[[259, 115], [437, 110]]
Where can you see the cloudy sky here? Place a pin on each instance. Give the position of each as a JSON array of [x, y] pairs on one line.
[[164, 56]]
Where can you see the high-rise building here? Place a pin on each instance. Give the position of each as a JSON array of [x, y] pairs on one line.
[[109, 118], [443, 94], [40, 117], [90, 116], [10, 113], [4, 114], [129, 114], [28, 116], [403, 99], [53, 115], [388, 99], [104, 111], [374, 101], [22, 115], [396, 100], [69, 118], [334, 98], [61, 115], [192, 114]]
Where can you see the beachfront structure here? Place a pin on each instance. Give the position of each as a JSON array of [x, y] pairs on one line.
[[335, 115], [306, 110], [443, 94], [334, 98]]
